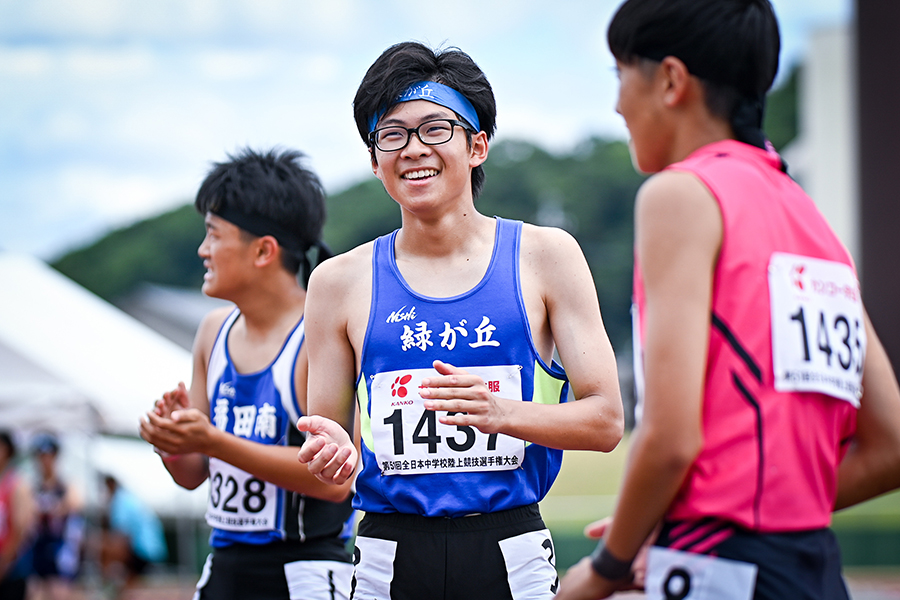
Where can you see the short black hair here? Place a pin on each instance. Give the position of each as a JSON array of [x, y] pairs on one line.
[[731, 45], [274, 184], [6, 439], [407, 63]]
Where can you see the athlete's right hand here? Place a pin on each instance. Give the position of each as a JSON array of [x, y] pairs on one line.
[[328, 451]]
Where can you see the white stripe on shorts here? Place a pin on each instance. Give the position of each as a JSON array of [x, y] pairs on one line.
[[204, 576], [530, 565], [375, 569], [318, 579]]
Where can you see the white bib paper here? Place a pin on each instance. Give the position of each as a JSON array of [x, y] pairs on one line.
[[239, 501], [818, 331], [410, 440], [676, 575]]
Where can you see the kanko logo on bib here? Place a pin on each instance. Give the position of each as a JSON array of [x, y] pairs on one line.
[[399, 390], [797, 276]]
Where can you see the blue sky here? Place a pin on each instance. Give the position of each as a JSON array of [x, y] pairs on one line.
[[113, 110]]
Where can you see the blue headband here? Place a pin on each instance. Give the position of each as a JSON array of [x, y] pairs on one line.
[[439, 94]]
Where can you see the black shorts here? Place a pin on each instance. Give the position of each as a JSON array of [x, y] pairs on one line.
[[495, 556], [803, 565], [313, 570]]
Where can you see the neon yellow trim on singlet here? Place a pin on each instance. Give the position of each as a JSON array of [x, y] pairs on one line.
[[547, 389], [365, 421]]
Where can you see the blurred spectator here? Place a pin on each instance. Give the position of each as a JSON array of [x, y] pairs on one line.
[[132, 538], [57, 547], [16, 524]]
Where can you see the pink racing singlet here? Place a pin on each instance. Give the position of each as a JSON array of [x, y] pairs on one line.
[[786, 349]]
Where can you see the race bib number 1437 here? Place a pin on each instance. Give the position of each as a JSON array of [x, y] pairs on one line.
[[818, 331], [411, 440]]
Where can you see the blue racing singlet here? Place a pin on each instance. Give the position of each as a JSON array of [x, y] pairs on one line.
[[261, 407], [412, 463]]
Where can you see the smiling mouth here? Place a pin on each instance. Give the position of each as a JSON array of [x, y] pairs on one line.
[[421, 174]]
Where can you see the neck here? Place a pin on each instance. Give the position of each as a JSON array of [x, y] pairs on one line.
[[271, 301], [697, 133], [445, 235]]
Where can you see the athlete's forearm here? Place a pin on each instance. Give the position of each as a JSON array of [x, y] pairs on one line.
[[872, 464], [277, 465], [866, 473], [187, 470], [591, 423], [654, 473]]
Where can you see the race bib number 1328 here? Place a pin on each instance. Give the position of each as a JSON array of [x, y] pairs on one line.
[[818, 331]]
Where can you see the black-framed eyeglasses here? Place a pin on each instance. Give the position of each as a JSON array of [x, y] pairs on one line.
[[430, 133]]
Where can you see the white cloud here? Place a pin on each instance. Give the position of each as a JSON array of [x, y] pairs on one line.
[[224, 64], [109, 64], [119, 196], [28, 62]]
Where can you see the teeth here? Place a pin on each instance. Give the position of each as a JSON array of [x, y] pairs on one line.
[[421, 174]]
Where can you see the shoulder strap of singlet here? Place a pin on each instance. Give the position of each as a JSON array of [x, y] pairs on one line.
[[284, 367], [383, 253], [218, 357]]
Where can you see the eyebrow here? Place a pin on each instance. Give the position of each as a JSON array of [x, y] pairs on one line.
[[429, 117]]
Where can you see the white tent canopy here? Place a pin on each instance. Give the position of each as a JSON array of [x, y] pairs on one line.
[[82, 343], [74, 364]]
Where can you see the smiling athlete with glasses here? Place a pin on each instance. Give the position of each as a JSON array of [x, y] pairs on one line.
[[444, 331]]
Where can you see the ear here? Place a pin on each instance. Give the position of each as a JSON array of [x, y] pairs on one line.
[[267, 250], [676, 80], [479, 152], [375, 167]]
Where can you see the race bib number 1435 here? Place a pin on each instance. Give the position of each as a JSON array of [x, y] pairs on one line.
[[818, 331]]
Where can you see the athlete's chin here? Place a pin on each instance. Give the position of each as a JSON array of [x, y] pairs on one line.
[[641, 163], [419, 200]]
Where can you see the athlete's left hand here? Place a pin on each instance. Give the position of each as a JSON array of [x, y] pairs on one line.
[[466, 399], [328, 451]]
